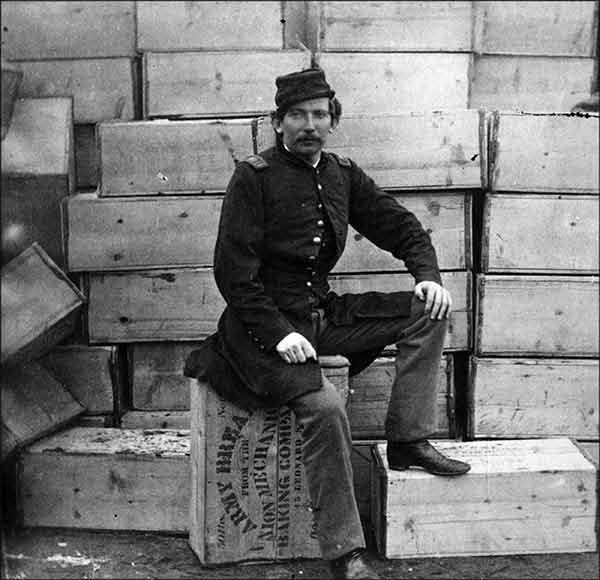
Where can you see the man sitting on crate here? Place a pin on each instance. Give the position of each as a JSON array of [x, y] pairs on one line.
[[283, 226]]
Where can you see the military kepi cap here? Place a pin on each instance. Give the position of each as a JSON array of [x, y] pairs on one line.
[[301, 86]]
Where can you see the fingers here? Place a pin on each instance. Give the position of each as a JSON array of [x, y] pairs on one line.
[[442, 303], [295, 348]]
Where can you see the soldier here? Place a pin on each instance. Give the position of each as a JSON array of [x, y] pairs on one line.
[[283, 226]]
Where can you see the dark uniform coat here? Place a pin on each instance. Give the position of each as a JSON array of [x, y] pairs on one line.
[[283, 226]]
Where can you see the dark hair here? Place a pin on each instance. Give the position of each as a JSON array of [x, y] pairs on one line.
[[335, 110]]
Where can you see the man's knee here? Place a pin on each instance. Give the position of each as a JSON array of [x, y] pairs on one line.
[[326, 404]]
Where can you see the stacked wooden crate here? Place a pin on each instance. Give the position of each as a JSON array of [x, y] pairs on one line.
[[81, 49], [533, 56], [536, 369]]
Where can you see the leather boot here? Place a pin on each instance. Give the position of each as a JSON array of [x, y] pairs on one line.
[[421, 453], [353, 565]]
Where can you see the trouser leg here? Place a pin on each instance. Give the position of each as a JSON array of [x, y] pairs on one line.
[[327, 461], [412, 410]]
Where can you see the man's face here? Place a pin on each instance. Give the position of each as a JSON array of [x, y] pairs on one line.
[[305, 127]]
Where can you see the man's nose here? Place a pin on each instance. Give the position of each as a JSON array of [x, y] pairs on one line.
[[310, 123]]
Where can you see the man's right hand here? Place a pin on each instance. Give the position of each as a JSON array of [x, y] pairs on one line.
[[295, 348]]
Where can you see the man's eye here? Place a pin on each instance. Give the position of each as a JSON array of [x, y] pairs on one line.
[[321, 114]]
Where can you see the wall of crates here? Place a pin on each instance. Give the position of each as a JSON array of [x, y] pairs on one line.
[[460, 109]]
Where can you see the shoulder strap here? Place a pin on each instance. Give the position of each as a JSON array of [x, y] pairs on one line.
[[256, 161], [342, 161]]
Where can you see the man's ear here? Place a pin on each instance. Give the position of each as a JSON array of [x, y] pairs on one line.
[[334, 123], [276, 123]]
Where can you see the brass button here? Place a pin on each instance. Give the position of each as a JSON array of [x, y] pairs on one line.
[[312, 258], [319, 187], [309, 283], [320, 206], [320, 223], [317, 240]]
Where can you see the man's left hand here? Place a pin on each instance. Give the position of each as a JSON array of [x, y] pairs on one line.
[[437, 299]]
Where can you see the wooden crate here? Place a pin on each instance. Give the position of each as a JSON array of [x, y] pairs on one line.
[[457, 283], [102, 88], [520, 497], [544, 153], [156, 375], [120, 234], [420, 150], [86, 156], [156, 419], [549, 84], [34, 404], [537, 233], [37, 173], [591, 449], [185, 304], [209, 26], [107, 478], [215, 83], [370, 392], [42, 30], [40, 305], [11, 80], [390, 83], [91, 373], [395, 26], [524, 397], [171, 157], [543, 28], [537, 315]]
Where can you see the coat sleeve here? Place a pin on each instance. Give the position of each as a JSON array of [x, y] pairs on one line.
[[237, 260], [390, 226]]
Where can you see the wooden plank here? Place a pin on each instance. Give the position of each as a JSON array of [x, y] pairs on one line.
[[545, 153], [249, 497], [537, 315], [544, 28], [520, 397], [101, 88], [107, 234], [215, 83], [395, 26], [86, 156], [39, 305], [151, 157], [156, 419], [389, 83], [536, 234], [34, 404], [185, 304], [445, 216], [520, 497], [546, 84], [91, 373], [209, 26], [107, 478], [591, 449], [11, 80], [457, 283], [370, 392], [42, 30], [433, 150]]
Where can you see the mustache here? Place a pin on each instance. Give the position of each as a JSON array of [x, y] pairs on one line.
[[309, 138]]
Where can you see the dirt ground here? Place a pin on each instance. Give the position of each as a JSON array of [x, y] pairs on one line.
[[55, 553]]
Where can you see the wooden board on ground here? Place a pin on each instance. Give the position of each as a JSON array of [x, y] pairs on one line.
[[530, 83], [91, 373], [520, 497], [537, 234], [457, 283], [432, 150], [40, 305], [545, 153], [185, 304], [395, 26], [370, 392], [543, 28], [390, 83], [86, 156], [209, 26], [170, 157], [42, 30], [537, 315], [524, 397], [34, 404], [37, 173], [107, 478], [215, 83], [102, 88]]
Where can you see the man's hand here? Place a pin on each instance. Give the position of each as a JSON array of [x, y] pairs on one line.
[[294, 348], [437, 299]]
